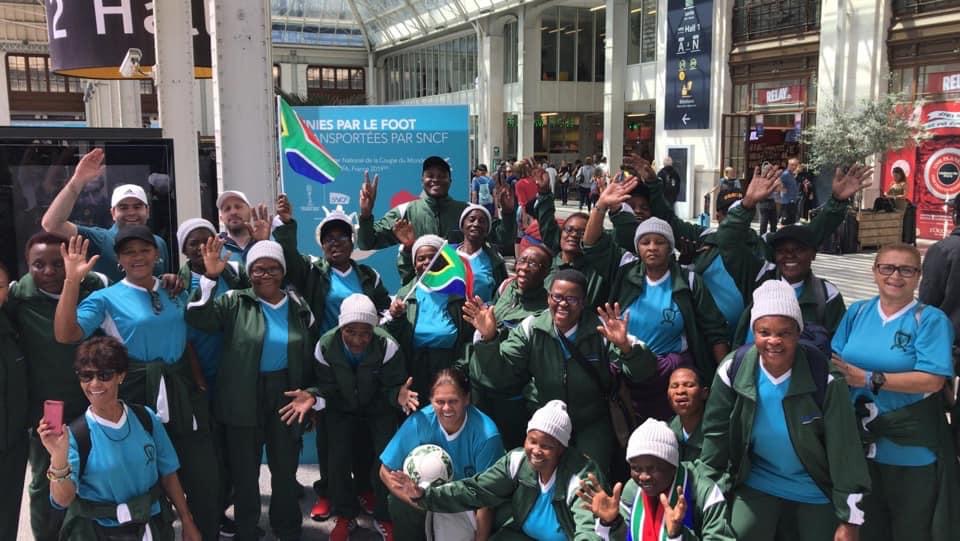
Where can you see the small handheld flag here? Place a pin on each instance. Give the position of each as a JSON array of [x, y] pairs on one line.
[[455, 277], [302, 149]]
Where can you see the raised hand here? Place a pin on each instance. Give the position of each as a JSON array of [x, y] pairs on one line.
[[857, 178], [604, 506], [55, 444], [284, 210], [90, 167], [409, 400], [505, 200], [398, 308], [300, 405], [405, 234], [476, 313], [539, 175], [75, 263], [403, 486], [640, 167], [673, 516], [616, 193], [172, 283], [261, 223], [761, 186], [368, 194], [214, 261], [614, 328]]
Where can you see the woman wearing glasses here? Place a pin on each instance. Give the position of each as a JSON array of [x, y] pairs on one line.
[[267, 347], [114, 468], [895, 355], [519, 297], [567, 353], [149, 322]]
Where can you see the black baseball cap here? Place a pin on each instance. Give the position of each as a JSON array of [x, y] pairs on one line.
[[131, 232], [436, 161], [727, 197], [798, 233]]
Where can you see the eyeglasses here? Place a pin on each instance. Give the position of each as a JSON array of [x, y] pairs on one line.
[[155, 302], [906, 271], [337, 239], [570, 230], [529, 262], [569, 299], [260, 272], [86, 376]]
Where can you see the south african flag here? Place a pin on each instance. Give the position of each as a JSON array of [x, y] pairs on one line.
[[302, 149], [449, 274]]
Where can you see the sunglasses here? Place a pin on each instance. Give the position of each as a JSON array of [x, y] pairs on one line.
[[86, 376], [155, 302]]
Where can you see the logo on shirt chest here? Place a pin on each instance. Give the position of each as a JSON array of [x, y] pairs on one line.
[[669, 316], [901, 340], [469, 471], [150, 452]]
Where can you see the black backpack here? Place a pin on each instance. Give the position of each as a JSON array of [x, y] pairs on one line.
[[81, 432], [818, 362]]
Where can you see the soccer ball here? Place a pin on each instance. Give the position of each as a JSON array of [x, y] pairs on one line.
[[428, 465]]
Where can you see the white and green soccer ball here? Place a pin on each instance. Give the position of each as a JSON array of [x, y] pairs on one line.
[[428, 465]]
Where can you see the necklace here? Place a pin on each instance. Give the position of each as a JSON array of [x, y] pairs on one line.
[[129, 429]]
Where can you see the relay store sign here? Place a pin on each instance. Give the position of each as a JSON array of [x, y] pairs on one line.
[[390, 141], [784, 95], [945, 83], [89, 38]]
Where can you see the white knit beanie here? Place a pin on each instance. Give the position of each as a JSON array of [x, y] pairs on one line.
[[266, 249], [472, 207], [191, 225], [553, 419], [358, 308], [426, 240], [655, 225], [776, 298], [654, 438], [333, 217]]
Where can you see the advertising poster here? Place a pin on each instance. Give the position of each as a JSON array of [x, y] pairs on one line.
[[689, 23], [390, 141]]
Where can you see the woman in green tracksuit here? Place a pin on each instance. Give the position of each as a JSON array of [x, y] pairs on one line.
[[13, 419], [567, 353], [30, 307], [267, 341], [538, 483], [489, 269], [665, 498], [429, 325], [520, 297], [672, 312], [783, 428], [362, 385]]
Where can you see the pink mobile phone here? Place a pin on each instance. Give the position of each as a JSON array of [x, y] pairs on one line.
[[53, 414]]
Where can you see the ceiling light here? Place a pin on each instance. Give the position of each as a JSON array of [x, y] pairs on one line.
[[598, 8]]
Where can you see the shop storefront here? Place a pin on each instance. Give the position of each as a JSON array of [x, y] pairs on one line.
[[567, 136], [638, 135], [773, 101]]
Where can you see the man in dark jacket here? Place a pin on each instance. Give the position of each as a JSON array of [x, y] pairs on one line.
[[941, 280], [670, 179]]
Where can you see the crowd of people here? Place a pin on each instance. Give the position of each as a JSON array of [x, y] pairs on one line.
[[656, 380]]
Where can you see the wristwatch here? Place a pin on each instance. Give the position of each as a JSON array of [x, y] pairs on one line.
[[877, 380]]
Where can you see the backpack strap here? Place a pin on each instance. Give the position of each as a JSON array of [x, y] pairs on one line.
[[820, 295], [818, 362], [143, 416], [734, 366], [81, 432]]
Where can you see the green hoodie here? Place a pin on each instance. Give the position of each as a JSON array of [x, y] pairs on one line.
[[50, 374], [428, 216], [372, 386], [238, 314], [825, 438], [512, 481]]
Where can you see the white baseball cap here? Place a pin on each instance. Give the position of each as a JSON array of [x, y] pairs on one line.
[[232, 193], [126, 191]]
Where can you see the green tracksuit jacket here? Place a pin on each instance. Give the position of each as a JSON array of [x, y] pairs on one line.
[[825, 439], [532, 352], [234, 275], [514, 305], [371, 387], [13, 389], [689, 449], [49, 363], [238, 314], [703, 323], [499, 267], [829, 315], [402, 329], [512, 481], [428, 216], [709, 513]]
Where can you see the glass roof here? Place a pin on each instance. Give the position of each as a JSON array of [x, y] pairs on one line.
[[379, 23]]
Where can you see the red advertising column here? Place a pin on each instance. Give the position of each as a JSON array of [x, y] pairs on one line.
[[937, 175]]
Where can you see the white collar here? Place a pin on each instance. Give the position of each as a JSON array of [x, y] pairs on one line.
[[282, 302], [55, 296], [479, 251], [107, 423], [455, 435], [887, 319], [128, 283], [343, 274], [776, 381], [569, 334], [545, 487], [658, 281]]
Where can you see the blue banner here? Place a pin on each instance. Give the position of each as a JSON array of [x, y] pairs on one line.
[[390, 141]]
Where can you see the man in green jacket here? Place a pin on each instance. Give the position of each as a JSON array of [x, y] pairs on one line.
[[568, 353], [664, 498], [781, 425], [13, 421], [434, 213], [688, 397], [50, 376], [537, 484]]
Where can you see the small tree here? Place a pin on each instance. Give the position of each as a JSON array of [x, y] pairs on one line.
[[845, 137]]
